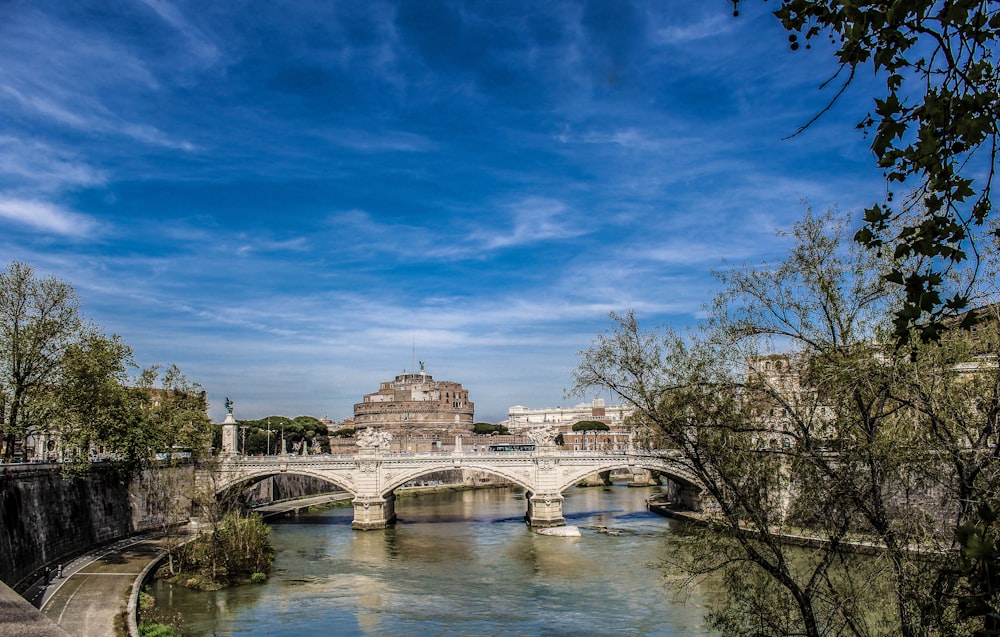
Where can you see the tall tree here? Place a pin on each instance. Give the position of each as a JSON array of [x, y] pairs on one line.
[[174, 412], [97, 411], [39, 318], [795, 413], [933, 132]]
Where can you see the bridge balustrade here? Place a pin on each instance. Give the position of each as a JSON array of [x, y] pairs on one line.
[[373, 474]]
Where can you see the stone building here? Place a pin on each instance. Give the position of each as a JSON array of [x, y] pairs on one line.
[[779, 396], [521, 420], [417, 410]]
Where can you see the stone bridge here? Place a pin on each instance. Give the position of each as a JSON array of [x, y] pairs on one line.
[[373, 474]]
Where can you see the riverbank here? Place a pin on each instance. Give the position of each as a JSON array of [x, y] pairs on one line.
[[656, 505], [412, 492]]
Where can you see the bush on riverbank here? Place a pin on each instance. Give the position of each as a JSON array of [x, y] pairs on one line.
[[239, 551], [151, 622]]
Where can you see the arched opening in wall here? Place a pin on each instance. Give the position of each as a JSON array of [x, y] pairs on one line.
[[431, 495], [276, 492], [679, 494]]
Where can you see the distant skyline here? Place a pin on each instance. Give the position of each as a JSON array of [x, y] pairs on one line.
[[294, 201]]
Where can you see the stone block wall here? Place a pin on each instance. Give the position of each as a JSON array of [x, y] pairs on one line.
[[285, 487], [45, 518]]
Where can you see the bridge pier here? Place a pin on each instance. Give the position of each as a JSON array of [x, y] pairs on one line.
[[374, 513], [545, 510]]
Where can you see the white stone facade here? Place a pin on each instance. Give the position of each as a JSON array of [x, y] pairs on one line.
[[523, 418]]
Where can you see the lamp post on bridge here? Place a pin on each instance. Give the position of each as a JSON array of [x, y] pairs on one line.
[[243, 430]]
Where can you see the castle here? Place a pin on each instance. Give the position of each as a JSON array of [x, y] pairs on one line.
[[417, 410]]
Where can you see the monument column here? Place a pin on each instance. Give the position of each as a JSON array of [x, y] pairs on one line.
[[229, 431]]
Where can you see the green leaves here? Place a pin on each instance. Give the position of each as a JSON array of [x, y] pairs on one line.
[[935, 128], [39, 318], [798, 416]]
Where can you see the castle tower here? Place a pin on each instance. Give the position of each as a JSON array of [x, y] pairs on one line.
[[416, 404]]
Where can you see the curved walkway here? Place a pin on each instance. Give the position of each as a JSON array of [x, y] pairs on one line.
[[92, 596]]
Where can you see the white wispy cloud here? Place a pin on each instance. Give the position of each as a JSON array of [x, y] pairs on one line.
[[249, 245], [78, 84], [379, 141], [47, 217], [40, 166], [199, 44], [681, 32], [533, 219]]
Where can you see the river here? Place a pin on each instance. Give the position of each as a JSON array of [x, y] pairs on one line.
[[459, 563]]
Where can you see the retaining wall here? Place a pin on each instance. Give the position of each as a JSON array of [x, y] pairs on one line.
[[45, 518]]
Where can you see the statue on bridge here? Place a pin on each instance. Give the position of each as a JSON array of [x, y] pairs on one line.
[[544, 436], [373, 438]]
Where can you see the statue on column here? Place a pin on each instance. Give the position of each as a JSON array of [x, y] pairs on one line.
[[229, 430]]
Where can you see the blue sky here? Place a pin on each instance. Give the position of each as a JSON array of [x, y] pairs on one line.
[[287, 199]]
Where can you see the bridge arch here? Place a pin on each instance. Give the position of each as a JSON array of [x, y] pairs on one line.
[[251, 475], [520, 478], [672, 470]]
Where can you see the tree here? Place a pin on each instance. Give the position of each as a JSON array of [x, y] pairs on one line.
[[299, 430], [173, 413], [96, 408], [589, 425], [797, 415], [39, 318], [933, 131], [486, 428]]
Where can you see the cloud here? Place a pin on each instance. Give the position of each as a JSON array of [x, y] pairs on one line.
[[680, 32], [199, 44], [381, 141], [535, 219], [40, 166], [84, 84], [256, 245], [47, 217]]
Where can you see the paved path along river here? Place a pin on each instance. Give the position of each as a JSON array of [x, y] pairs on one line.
[[92, 595]]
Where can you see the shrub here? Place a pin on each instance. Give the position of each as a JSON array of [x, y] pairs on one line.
[[149, 628]]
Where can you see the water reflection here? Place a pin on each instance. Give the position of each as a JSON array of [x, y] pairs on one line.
[[458, 564]]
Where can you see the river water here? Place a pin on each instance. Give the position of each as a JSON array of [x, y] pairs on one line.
[[460, 564]]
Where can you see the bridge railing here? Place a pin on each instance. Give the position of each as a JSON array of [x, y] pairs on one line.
[[479, 453]]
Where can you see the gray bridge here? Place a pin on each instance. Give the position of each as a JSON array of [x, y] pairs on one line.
[[373, 474]]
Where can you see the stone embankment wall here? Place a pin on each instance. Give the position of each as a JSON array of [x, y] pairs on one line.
[[45, 518], [285, 487]]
